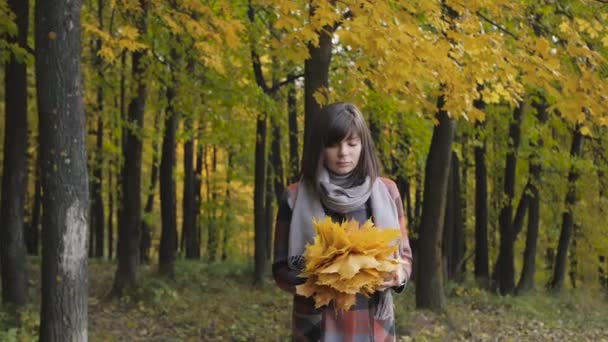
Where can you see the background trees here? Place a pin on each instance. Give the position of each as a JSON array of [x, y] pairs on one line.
[[211, 100]]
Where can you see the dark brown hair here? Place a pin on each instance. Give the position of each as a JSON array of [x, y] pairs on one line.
[[333, 124]]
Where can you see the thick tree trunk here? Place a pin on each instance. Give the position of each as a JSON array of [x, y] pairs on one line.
[[14, 174], [526, 280], [292, 111], [505, 270], [145, 242], [168, 237], [316, 73], [129, 218], [559, 270], [429, 284], [63, 315]]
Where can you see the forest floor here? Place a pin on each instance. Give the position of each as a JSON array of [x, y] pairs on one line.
[[216, 302]]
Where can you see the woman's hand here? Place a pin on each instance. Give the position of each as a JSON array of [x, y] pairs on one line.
[[396, 279]]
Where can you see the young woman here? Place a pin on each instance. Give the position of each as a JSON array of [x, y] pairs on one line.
[[340, 179]]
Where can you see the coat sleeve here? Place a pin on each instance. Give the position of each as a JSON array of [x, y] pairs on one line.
[[285, 277], [405, 252]]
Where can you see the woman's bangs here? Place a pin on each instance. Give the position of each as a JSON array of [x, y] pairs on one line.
[[343, 127]]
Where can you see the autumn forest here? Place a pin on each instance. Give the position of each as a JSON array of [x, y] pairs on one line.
[[147, 143]]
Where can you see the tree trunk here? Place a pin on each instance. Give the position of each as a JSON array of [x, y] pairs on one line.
[[269, 208], [559, 270], [97, 212], [316, 73], [572, 272], [292, 110], [456, 270], [168, 237], [447, 244], [14, 174], [482, 267], [33, 233], [228, 205], [111, 195], [505, 270], [63, 315], [520, 213], [145, 242], [213, 234], [526, 280], [261, 252], [198, 183], [429, 284], [129, 218], [189, 201]]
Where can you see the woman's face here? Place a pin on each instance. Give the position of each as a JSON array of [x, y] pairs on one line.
[[342, 158]]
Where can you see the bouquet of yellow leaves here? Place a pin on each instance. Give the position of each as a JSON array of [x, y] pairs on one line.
[[345, 259]]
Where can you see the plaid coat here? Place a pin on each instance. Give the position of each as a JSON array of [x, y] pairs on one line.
[[324, 324]]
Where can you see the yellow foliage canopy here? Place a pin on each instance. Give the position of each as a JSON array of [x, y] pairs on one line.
[[345, 259]]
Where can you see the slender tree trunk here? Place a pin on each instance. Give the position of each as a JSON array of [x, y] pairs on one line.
[[111, 195], [168, 238], [292, 110], [145, 242], [505, 270], [269, 208], [14, 174], [198, 183], [189, 201], [572, 256], [228, 205], [129, 218], [97, 211], [33, 234], [261, 233], [482, 267], [520, 213], [456, 270], [526, 281], [429, 284], [63, 315], [559, 270]]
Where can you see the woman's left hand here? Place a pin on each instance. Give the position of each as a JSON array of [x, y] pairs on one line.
[[397, 278]]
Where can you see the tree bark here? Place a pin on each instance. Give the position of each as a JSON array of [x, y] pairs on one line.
[[292, 110], [526, 280], [482, 267], [97, 211], [63, 315], [33, 233], [456, 270], [129, 218], [559, 270], [505, 268], [261, 252], [316, 73], [168, 238], [14, 174], [429, 284], [189, 201], [145, 242]]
